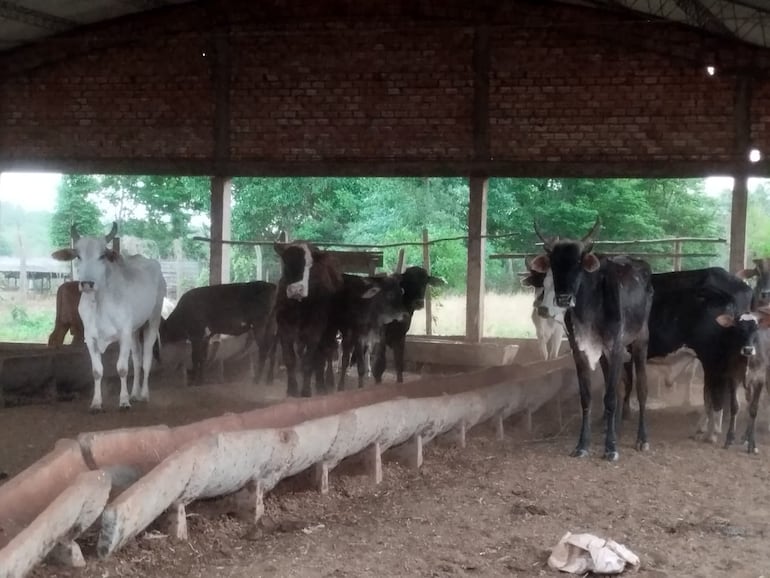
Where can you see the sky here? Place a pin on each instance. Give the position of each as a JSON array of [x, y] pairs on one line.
[[37, 191]]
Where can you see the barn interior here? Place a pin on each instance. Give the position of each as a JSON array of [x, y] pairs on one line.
[[595, 88]]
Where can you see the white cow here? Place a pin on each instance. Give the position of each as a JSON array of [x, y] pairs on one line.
[[121, 300], [547, 317]]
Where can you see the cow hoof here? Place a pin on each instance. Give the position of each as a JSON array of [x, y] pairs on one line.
[[611, 456], [643, 446], [307, 393], [125, 406], [579, 453], [95, 409]]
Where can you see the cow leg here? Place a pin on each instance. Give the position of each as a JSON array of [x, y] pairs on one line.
[[58, 335], [378, 368], [98, 371], [199, 347], [347, 348], [361, 356], [639, 356], [290, 362], [122, 367], [734, 407], [628, 378], [136, 360], [148, 341], [611, 404], [398, 357], [584, 385], [309, 364], [756, 393]]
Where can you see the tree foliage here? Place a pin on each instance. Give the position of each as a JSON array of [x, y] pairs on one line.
[[382, 211], [75, 204]]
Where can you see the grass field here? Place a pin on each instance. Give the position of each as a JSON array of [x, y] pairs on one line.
[[505, 315]]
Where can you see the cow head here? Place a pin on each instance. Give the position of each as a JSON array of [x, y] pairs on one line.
[[92, 256], [545, 297], [387, 297], [296, 261], [567, 260], [744, 327], [414, 282], [761, 271]]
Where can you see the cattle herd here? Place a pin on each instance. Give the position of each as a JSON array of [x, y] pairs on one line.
[[615, 312], [312, 311]]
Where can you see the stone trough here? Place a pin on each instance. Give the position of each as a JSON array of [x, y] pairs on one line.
[[134, 476]]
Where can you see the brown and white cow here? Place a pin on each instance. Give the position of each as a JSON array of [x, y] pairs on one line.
[[67, 316], [310, 280]]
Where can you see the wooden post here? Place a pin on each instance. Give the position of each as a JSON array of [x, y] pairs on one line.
[[178, 270], [22, 265], [400, 260], [742, 128], [477, 229], [738, 223], [677, 259], [426, 266], [258, 253], [219, 259]]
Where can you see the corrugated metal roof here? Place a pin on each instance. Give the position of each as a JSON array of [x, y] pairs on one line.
[[24, 21]]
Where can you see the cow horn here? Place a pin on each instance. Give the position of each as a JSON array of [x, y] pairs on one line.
[[74, 233], [111, 235], [588, 240], [547, 243]]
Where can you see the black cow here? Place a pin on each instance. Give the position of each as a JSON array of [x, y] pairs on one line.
[[364, 307], [229, 309], [686, 311], [608, 303], [310, 280], [414, 282], [757, 374]]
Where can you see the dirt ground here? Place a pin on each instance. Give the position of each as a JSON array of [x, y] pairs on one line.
[[491, 509]]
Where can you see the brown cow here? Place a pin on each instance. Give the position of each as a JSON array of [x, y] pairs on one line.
[[67, 316], [310, 280]]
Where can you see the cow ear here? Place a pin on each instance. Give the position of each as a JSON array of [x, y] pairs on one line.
[[528, 281], [371, 292], [279, 248], [590, 262], [540, 264], [64, 254], [746, 273], [435, 281], [725, 320]]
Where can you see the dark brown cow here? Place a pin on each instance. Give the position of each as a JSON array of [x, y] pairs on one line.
[[67, 316], [362, 309], [229, 309], [414, 282], [310, 280]]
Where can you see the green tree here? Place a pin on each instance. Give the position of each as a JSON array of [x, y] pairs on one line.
[[74, 205]]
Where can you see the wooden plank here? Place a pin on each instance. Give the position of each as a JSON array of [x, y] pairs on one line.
[[477, 227], [426, 266], [358, 261], [460, 353], [449, 167], [219, 253]]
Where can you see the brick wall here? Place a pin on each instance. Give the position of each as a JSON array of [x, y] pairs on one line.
[[377, 86]]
